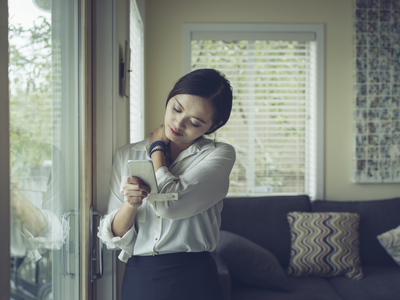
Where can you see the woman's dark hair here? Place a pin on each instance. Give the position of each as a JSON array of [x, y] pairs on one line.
[[211, 85]]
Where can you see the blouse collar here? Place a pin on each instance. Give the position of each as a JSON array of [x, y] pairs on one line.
[[201, 144]]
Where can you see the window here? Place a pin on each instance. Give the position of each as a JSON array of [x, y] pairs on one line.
[[276, 123], [136, 75], [48, 137]]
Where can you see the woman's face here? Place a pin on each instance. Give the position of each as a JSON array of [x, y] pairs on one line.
[[187, 117]]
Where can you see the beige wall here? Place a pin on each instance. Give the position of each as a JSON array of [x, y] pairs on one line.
[[164, 65]]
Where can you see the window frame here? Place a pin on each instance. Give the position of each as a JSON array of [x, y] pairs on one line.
[[140, 134], [274, 30], [4, 154]]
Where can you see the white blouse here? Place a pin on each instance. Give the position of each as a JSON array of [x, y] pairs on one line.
[[186, 214]]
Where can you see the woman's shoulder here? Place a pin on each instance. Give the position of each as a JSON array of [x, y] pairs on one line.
[[218, 147], [226, 150], [224, 146]]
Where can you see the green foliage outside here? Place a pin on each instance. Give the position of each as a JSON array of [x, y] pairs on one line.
[[30, 94]]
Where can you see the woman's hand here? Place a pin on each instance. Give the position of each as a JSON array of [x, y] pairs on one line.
[[159, 135], [31, 216], [135, 191]]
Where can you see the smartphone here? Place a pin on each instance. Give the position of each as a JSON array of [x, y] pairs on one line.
[[144, 170]]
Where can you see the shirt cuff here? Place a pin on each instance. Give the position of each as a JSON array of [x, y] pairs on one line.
[[151, 198], [52, 237], [125, 243]]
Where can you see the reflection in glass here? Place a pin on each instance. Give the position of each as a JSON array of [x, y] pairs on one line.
[[41, 140]]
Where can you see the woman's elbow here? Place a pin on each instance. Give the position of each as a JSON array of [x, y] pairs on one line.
[[168, 210]]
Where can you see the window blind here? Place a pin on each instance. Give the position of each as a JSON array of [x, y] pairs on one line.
[[253, 35], [272, 124], [136, 76]]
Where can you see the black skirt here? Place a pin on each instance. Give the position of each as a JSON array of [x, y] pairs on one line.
[[176, 276]]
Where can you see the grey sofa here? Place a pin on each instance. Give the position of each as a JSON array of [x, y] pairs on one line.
[[262, 223]]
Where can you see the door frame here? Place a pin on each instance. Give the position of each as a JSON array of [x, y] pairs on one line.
[[105, 95], [86, 156], [4, 154]]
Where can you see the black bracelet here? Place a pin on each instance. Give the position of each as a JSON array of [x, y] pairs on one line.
[[158, 149]]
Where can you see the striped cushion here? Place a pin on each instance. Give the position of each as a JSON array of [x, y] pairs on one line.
[[324, 244]]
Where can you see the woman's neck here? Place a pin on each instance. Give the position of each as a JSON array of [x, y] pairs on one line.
[[176, 149]]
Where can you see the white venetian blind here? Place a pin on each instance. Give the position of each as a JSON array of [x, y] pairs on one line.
[[271, 124], [136, 76]]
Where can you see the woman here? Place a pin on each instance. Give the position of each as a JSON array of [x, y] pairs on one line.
[[166, 239]]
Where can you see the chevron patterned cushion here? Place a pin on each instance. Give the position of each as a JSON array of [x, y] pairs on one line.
[[324, 244]]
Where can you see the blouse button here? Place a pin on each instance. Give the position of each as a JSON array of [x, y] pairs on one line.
[[156, 239]]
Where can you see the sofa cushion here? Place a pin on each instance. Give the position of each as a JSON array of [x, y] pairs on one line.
[[376, 217], [390, 240], [324, 245], [378, 283], [263, 221], [304, 288], [250, 263]]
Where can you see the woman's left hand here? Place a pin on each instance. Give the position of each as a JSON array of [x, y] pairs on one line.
[[159, 135]]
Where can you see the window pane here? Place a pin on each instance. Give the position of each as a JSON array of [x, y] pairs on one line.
[[44, 135]]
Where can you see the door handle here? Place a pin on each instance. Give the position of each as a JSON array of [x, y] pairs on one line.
[[96, 256], [68, 247]]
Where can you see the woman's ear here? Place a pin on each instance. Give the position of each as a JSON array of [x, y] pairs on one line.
[[213, 128]]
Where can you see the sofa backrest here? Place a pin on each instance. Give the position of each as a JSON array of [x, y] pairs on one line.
[[376, 217], [263, 220]]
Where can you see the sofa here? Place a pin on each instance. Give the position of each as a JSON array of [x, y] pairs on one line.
[[256, 236]]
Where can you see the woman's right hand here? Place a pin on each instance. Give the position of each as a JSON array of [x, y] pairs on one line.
[[135, 191]]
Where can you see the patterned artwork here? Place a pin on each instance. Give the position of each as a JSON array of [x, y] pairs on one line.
[[324, 245], [377, 91]]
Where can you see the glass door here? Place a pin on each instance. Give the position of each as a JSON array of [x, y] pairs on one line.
[[46, 129]]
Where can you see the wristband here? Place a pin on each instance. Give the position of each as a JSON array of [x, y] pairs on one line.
[[158, 149], [158, 143]]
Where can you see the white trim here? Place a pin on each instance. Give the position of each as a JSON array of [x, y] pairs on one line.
[[115, 76], [189, 29], [139, 136], [253, 35], [320, 39]]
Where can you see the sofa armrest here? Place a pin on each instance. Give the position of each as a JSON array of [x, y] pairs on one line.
[[224, 275]]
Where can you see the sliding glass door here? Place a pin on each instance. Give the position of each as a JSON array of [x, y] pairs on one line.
[[46, 129]]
